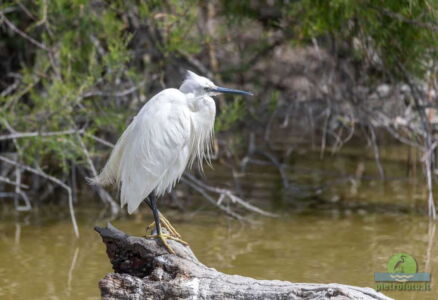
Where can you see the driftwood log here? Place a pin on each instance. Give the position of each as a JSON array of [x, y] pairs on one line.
[[145, 270]]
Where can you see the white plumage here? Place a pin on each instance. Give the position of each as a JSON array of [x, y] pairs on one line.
[[171, 130]]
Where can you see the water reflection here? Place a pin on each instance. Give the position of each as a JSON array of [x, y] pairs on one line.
[[70, 271], [45, 260], [430, 243]]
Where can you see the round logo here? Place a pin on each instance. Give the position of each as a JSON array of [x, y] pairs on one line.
[[402, 263]]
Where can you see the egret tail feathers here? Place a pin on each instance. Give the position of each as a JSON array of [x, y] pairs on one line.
[[111, 173]]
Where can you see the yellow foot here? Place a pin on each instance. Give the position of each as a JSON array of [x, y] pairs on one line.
[[165, 224], [164, 237]]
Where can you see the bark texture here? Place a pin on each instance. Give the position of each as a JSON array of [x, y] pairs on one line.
[[145, 270]]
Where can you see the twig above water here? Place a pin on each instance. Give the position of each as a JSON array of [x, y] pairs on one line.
[[192, 181], [52, 179], [19, 135]]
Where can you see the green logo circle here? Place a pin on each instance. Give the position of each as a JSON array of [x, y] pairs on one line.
[[402, 263]]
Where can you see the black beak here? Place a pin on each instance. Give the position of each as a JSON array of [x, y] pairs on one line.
[[223, 90]]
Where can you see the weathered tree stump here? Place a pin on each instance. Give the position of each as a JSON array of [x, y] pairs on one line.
[[145, 270]]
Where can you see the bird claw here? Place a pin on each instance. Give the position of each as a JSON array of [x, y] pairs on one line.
[[171, 234], [164, 237], [165, 224]]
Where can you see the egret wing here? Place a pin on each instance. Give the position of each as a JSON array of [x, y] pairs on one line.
[[156, 149]]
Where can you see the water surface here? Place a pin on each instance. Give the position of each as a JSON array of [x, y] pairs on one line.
[[41, 259], [339, 222]]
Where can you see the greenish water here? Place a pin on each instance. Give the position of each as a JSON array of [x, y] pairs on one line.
[[340, 224], [43, 260]]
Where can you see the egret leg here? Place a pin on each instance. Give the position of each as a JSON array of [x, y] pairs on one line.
[[164, 222], [160, 235]]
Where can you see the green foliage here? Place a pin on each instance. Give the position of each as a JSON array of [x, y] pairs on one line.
[[50, 96], [73, 58], [396, 33], [392, 35], [177, 26], [273, 101], [230, 114]]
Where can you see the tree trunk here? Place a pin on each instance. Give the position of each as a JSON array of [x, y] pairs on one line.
[[145, 270]]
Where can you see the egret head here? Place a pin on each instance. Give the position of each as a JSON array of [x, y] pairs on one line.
[[199, 86]]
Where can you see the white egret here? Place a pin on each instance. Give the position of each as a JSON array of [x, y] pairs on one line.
[[170, 131]]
